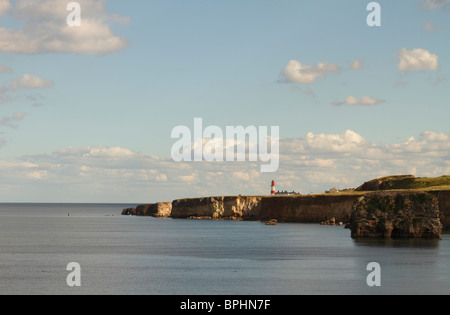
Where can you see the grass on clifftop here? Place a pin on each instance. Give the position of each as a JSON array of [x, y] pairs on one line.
[[406, 182], [390, 183]]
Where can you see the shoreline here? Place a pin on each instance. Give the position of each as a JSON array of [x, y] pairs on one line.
[[369, 211], [302, 209]]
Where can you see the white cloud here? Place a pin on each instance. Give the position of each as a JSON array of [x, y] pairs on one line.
[[10, 121], [314, 161], [17, 116], [46, 29], [5, 6], [17, 165], [36, 174], [188, 178], [357, 65], [115, 152], [296, 72], [435, 4], [364, 101], [11, 91], [429, 27], [428, 144], [246, 176], [29, 81], [345, 142], [352, 159], [320, 162], [417, 60]]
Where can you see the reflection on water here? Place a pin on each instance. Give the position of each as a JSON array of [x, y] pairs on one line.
[[398, 243], [143, 255]]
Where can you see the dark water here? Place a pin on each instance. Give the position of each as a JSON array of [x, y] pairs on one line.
[[136, 255]]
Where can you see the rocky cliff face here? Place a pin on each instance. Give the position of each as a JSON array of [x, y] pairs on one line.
[[371, 214], [396, 215], [444, 207], [306, 209], [235, 208], [159, 210]]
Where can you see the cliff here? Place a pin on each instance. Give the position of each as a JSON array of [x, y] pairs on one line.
[[423, 208], [158, 210], [403, 182], [306, 209], [443, 197], [396, 215], [236, 208]]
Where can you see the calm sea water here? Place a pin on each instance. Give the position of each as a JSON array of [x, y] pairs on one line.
[[140, 255]]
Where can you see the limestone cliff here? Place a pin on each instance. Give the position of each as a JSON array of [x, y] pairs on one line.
[[396, 215], [159, 210], [306, 209], [443, 198], [405, 212], [236, 208]]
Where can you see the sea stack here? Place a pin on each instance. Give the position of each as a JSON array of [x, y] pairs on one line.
[[396, 215]]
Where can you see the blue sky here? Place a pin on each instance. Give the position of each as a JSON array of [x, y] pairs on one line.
[[163, 63]]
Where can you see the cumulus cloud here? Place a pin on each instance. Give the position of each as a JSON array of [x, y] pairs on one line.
[[417, 60], [314, 161], [345, 142], [348, 159], [46, 29], [364, 101], [29, 81], [296, 72], [27, 172], [428, 143], [15, 91]]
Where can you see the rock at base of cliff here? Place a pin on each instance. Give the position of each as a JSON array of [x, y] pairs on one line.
[[396, 215], [129, 211]]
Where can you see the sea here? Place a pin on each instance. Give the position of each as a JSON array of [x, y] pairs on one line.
[[126, 255]]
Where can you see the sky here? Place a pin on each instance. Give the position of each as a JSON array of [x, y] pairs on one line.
[[87, 112]]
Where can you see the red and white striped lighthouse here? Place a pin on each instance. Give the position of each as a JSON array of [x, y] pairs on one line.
[[272, 192]]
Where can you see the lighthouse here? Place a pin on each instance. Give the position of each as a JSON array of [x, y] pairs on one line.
[[272, 191]]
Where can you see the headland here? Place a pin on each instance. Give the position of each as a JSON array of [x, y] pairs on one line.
[[389, 207]]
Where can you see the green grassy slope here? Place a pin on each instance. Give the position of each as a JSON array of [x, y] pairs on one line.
[[405, 182]]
